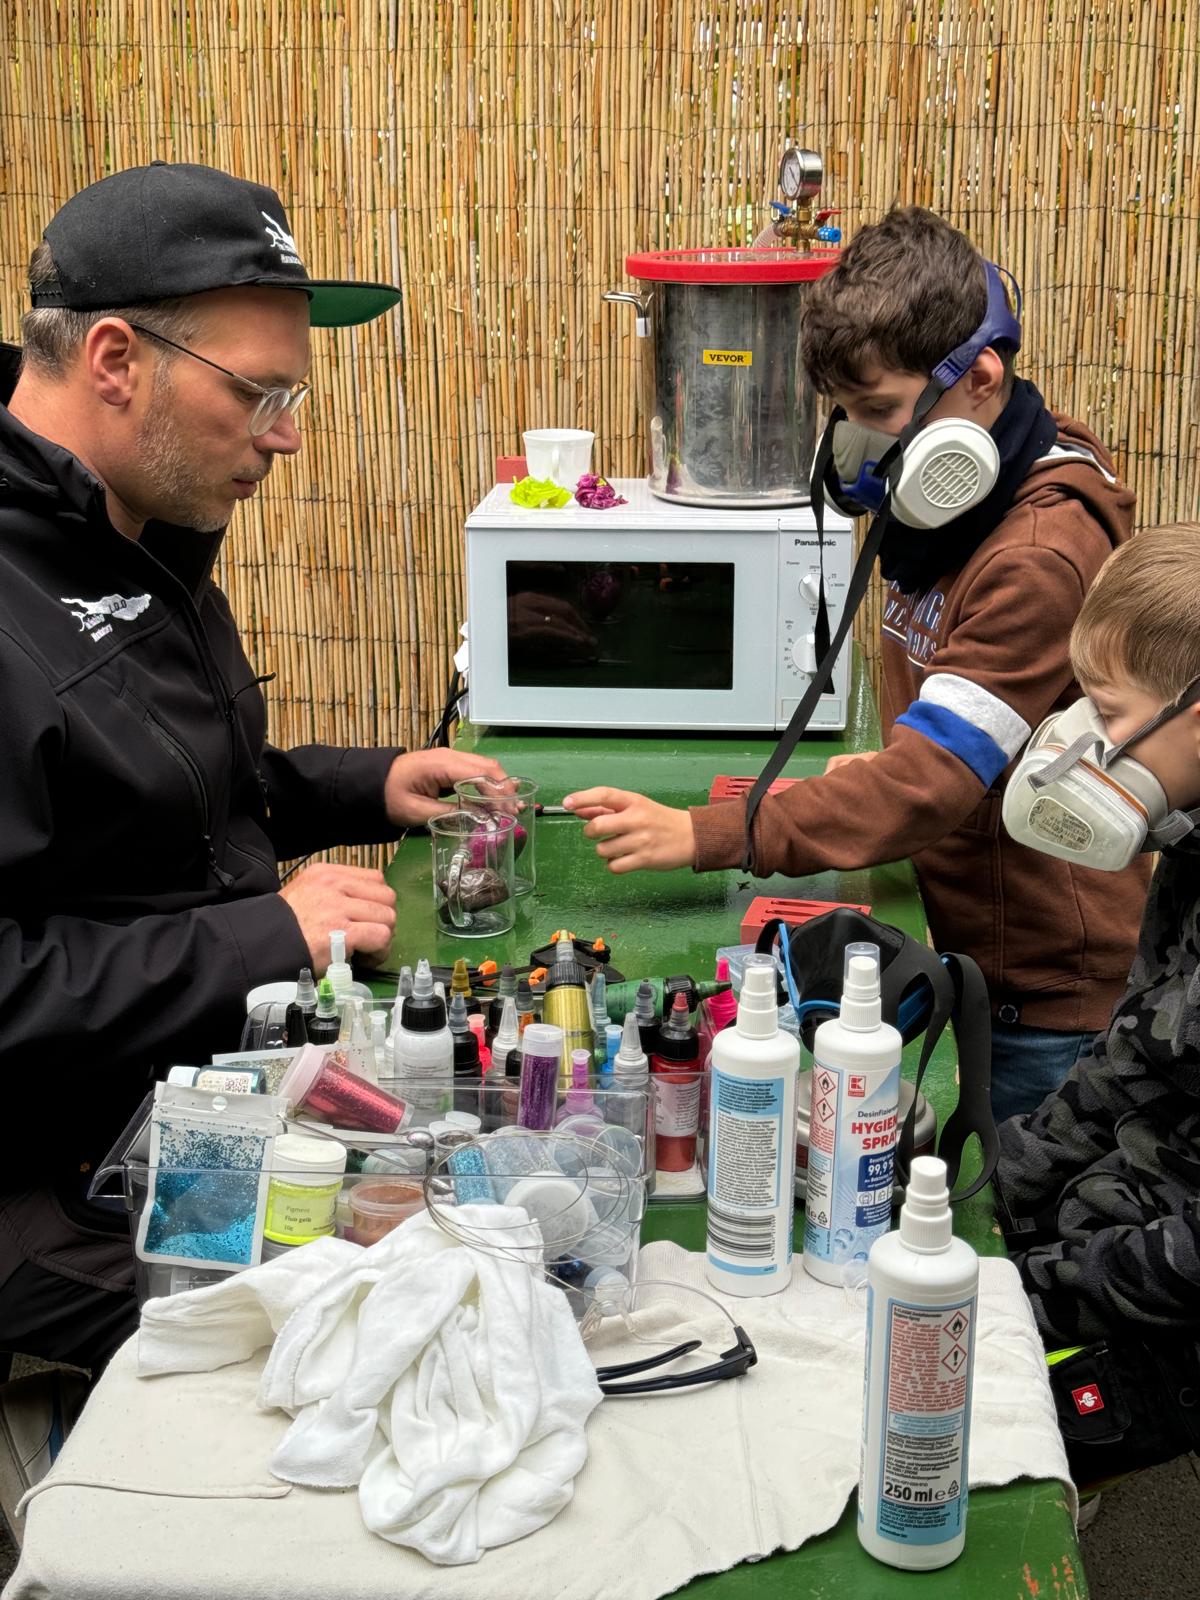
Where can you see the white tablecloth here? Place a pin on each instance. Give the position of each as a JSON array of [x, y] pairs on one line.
[[163, 1490]]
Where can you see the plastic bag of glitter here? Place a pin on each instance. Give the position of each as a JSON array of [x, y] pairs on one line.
[[208, 1172]]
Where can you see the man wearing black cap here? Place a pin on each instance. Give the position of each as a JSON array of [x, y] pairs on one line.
[[142, 812]]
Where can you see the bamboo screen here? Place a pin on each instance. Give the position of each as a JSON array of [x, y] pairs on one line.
[[499, 159]]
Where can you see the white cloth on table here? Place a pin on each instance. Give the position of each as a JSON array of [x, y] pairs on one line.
[[675, 1485], [452, 1387]]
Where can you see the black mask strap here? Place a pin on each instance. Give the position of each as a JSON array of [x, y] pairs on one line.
[[823, 480]]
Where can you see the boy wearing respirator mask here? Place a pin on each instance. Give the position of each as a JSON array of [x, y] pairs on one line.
[[1000, 518], [1102, 1181]]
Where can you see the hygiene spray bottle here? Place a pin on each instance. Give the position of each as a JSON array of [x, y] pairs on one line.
[[852, 1128], [922, 1289], [752, 1144]]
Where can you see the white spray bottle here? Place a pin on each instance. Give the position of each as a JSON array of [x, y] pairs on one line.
[[852, 1131], [752, 1143], [922, 1291]]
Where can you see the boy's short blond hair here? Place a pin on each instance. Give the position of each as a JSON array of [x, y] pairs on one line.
[[1140, 620]]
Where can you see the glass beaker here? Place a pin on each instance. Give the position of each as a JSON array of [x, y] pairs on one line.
[[473, 895], [517, 798]]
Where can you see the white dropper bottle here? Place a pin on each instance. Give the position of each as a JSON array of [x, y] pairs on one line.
[[423, 1048], [923, 1287], [631, 1070]]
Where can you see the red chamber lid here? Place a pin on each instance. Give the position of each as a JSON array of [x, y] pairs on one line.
[[775, 264]]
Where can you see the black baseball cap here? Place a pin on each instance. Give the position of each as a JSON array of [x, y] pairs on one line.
[[164, 231]]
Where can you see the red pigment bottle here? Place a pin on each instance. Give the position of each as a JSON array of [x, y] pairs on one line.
[[675, 1065]]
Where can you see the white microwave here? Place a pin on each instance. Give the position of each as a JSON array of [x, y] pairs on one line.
[[651, 615]]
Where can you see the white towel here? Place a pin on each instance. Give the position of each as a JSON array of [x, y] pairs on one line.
[[452, 1387]]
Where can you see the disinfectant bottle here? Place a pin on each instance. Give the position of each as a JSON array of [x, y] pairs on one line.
[[922, 1287], [852, 1131], [752, 1143]]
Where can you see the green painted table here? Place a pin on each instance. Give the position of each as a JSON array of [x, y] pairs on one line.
[[1020, 1537]]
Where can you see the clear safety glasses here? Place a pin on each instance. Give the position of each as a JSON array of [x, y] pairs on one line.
[[684, 1327], [272, 403]]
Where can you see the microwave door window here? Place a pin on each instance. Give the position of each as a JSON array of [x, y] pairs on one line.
[[620, 625]]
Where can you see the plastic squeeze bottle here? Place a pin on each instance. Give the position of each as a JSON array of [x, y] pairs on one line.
[[852, 1126], [922, 1289], [717, 1012], [677, 1082], [752, 1143], [301, 1009], [423, 1046], [325, 1024], [339, 971], [567, 1007], [631, 1070]]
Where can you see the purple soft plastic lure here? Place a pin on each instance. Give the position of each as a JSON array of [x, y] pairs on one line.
[[597, 494]]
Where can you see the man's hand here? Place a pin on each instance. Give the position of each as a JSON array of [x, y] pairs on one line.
[[635, 833], [414, 782], [835, 762], [327, 896]]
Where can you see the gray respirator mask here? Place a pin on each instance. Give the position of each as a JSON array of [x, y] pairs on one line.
[[1076, 795]]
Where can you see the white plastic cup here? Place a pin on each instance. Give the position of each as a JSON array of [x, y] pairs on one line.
[[563, 454]]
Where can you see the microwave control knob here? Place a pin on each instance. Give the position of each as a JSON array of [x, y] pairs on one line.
[[810, 587], [804, 654]]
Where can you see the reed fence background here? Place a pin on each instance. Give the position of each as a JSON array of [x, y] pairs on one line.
[[499, 159]]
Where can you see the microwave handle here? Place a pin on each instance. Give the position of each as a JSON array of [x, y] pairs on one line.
[[643, 310]]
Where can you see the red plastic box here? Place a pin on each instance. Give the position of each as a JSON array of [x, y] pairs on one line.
[[764, 908], [725, 788]]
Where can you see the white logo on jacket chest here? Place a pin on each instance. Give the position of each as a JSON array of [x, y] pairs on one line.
[[94, 615]]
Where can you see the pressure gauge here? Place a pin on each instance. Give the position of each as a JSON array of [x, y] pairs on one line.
[[800, 174]]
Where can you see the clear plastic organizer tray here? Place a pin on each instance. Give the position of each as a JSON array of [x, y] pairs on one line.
[[195, 1225], [221, 1203]]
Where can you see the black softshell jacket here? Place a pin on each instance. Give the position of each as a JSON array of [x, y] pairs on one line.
[[142, 812]]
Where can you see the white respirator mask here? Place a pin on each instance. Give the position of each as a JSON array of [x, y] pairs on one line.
[[1076, 795], [947, 468]]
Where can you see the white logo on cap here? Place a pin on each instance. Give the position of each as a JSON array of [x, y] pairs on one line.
[[282, 241]]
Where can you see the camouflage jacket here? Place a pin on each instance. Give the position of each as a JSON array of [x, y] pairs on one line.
[[1105, 1174]]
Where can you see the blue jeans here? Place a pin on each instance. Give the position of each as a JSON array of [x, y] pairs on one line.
[[1028, 1064]]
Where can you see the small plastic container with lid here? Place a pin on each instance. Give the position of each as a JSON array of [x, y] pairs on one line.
[[302, 1195], [380, 1204]]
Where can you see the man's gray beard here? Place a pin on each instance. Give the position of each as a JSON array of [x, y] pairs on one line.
[[178, 491]]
